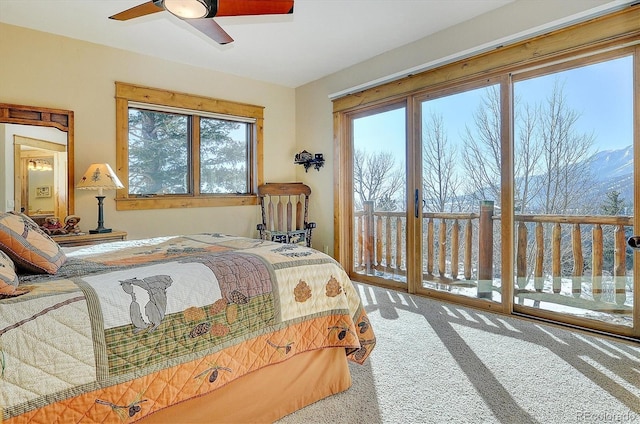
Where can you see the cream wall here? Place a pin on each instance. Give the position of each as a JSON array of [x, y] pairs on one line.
[[51, 71], [314, 120], [46, 70]]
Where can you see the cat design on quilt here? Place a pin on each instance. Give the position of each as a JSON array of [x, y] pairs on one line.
[[156, 308]]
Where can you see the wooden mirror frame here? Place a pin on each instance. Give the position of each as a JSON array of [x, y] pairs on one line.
[[46, 117]]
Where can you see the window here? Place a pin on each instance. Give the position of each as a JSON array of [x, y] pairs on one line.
[[180, 150], [521, 180]]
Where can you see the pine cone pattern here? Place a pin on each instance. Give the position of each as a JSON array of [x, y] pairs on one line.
[[302, 292], [192, 314], [333, 287]]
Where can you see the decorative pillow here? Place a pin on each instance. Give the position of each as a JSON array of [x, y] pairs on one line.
[[28, 246], [8, 277]]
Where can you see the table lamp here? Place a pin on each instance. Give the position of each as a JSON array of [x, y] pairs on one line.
[[99, 176]]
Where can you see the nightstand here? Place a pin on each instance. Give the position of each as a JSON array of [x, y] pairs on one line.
[[88, 239]]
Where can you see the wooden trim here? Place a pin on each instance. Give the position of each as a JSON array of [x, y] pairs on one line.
[[154, 96], [636, 191], [600, 33], [166, 202], [142, 94], [507, 227], [342, 165]]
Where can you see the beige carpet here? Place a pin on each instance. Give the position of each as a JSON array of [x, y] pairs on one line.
[[436, 363]]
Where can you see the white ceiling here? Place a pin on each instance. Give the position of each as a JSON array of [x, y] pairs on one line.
[[319, 38]]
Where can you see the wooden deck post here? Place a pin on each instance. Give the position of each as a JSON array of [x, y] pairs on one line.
[[538, 279], [578, 261], [521, 256], [442, 248], [556, 237], [468, 239], [597, 262], [485, 250], [368, 236], [620, 264], [455, 243]]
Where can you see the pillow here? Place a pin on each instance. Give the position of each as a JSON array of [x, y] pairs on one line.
[[28, 246], [8, 277]]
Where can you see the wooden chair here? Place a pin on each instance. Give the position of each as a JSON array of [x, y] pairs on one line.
[[285, 211]]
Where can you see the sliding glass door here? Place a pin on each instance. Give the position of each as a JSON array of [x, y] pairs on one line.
[[574, 194], [379, 194], [460, 140], [506, 181]]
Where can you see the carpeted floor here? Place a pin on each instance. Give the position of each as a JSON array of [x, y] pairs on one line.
[[436, 362]]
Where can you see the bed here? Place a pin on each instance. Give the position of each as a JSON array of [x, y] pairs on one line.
[[194, 328]]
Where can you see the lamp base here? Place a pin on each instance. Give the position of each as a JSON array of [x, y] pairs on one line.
[[100, 228], [100, 231]]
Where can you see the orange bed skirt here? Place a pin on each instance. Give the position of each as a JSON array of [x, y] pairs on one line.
[[266, 395]]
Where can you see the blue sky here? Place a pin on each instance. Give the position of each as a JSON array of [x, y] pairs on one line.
[[601, 94]]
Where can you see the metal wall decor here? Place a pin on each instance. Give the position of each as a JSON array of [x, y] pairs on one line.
[[308, 160]]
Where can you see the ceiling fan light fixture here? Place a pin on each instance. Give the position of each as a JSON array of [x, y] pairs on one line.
[[188, 9]]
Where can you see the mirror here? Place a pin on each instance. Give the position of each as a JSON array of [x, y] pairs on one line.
[[43, 179]]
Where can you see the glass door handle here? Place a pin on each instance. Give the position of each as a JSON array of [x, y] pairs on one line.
[[634, 242]]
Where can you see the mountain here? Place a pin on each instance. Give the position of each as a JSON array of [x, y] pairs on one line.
[[613, 170], [612, 164]]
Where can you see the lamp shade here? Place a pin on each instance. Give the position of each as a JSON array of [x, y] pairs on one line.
[[99, 176]]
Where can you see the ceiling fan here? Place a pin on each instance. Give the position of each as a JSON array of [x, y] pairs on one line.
[[200, 13]]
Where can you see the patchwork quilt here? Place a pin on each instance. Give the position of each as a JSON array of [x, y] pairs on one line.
[[128, 328]]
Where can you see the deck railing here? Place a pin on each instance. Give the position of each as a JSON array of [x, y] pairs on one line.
[[460, 246]]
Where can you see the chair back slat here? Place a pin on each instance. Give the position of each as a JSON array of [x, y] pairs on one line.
[[299, 214], [280, 222], [289, 213], [270, 222]]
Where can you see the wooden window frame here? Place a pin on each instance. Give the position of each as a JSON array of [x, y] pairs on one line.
[[126, 93]]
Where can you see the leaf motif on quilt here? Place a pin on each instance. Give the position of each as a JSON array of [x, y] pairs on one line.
[[302, 292], [219, 330], [231, 313], [193, 314], [156, 307], [218, 306]]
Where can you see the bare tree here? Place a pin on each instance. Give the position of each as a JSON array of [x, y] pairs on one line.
[[376, 177], [527, 153], [439, 179], [482, 150], [565, 165]]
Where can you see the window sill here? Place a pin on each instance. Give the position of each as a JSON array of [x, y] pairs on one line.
[[162, 202]]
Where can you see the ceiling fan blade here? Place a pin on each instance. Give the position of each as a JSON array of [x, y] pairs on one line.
[[254, 7], [137, 11], [211, 29]]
